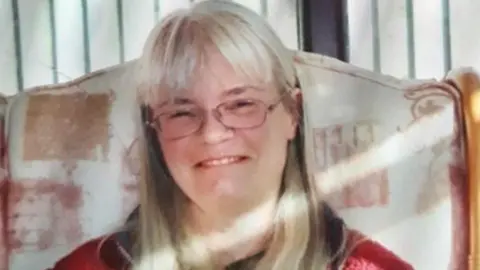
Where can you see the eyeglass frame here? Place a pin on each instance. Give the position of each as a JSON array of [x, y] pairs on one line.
[[218, 116]]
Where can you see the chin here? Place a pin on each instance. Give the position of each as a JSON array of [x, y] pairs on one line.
[[230, 191]]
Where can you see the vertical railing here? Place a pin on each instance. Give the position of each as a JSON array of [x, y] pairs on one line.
[[78, 37], [404, 56], [405, 38], [412, 38], [377, 65], [18, 44], [53, 37], [447, 47], [323, 27], [156, 10], [121, 38], [86, 37]]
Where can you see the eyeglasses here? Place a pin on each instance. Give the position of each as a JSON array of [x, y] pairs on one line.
[[186, 119]]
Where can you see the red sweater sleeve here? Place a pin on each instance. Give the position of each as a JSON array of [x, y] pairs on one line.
[[85, 257], [370, 255]]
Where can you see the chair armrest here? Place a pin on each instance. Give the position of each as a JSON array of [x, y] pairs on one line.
[[468, 82]]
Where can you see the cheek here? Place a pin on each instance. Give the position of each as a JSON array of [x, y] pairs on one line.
[[271, 139], [175, 153], [281, 131], [285, 125]]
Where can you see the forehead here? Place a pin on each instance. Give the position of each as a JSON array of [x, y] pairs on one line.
[[215, 78], [216, 75]]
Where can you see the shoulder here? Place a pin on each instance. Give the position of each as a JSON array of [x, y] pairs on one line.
[[101, 253], [366, 254], [83, 257]]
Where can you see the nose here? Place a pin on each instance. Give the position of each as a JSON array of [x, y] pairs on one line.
[[214, 131]]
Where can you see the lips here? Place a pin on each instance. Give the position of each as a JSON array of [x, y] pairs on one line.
[[222, 161]]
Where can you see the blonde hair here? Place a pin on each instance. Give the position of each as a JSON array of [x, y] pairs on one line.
[[175, 48]]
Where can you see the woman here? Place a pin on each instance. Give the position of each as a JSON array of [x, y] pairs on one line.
[[224, 182]]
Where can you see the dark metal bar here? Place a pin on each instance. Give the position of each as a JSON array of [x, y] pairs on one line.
[[300, 21], [86, 37], [18, 44], [53, 37], [410, 38], [324, 27], [156, 10], [447, 42], [121, 38], [377, 57], [264, 8]]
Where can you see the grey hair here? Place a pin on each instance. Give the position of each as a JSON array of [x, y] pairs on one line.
[[178, 46], [174, 50]]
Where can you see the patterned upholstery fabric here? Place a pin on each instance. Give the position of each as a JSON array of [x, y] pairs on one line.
[[389, 154], [379, 147], [71, 168]]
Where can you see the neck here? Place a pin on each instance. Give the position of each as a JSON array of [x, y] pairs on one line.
[[232, 237]]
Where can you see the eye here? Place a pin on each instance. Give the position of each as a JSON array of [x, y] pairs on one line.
[[242, 106], [180, 113]]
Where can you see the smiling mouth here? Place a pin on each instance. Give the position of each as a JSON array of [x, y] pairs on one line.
[[210, 163]]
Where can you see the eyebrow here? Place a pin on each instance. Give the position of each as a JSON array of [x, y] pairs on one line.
[[176, 101], [234, 91], [239, 90]]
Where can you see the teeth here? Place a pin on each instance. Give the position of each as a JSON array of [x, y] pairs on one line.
[[222, 161]]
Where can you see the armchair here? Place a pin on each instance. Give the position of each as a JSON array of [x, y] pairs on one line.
[[396, 158]]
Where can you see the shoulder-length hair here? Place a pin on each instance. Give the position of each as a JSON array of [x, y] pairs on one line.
[[174, 50]]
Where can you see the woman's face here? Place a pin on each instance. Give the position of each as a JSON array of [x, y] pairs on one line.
[[218, 167]]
